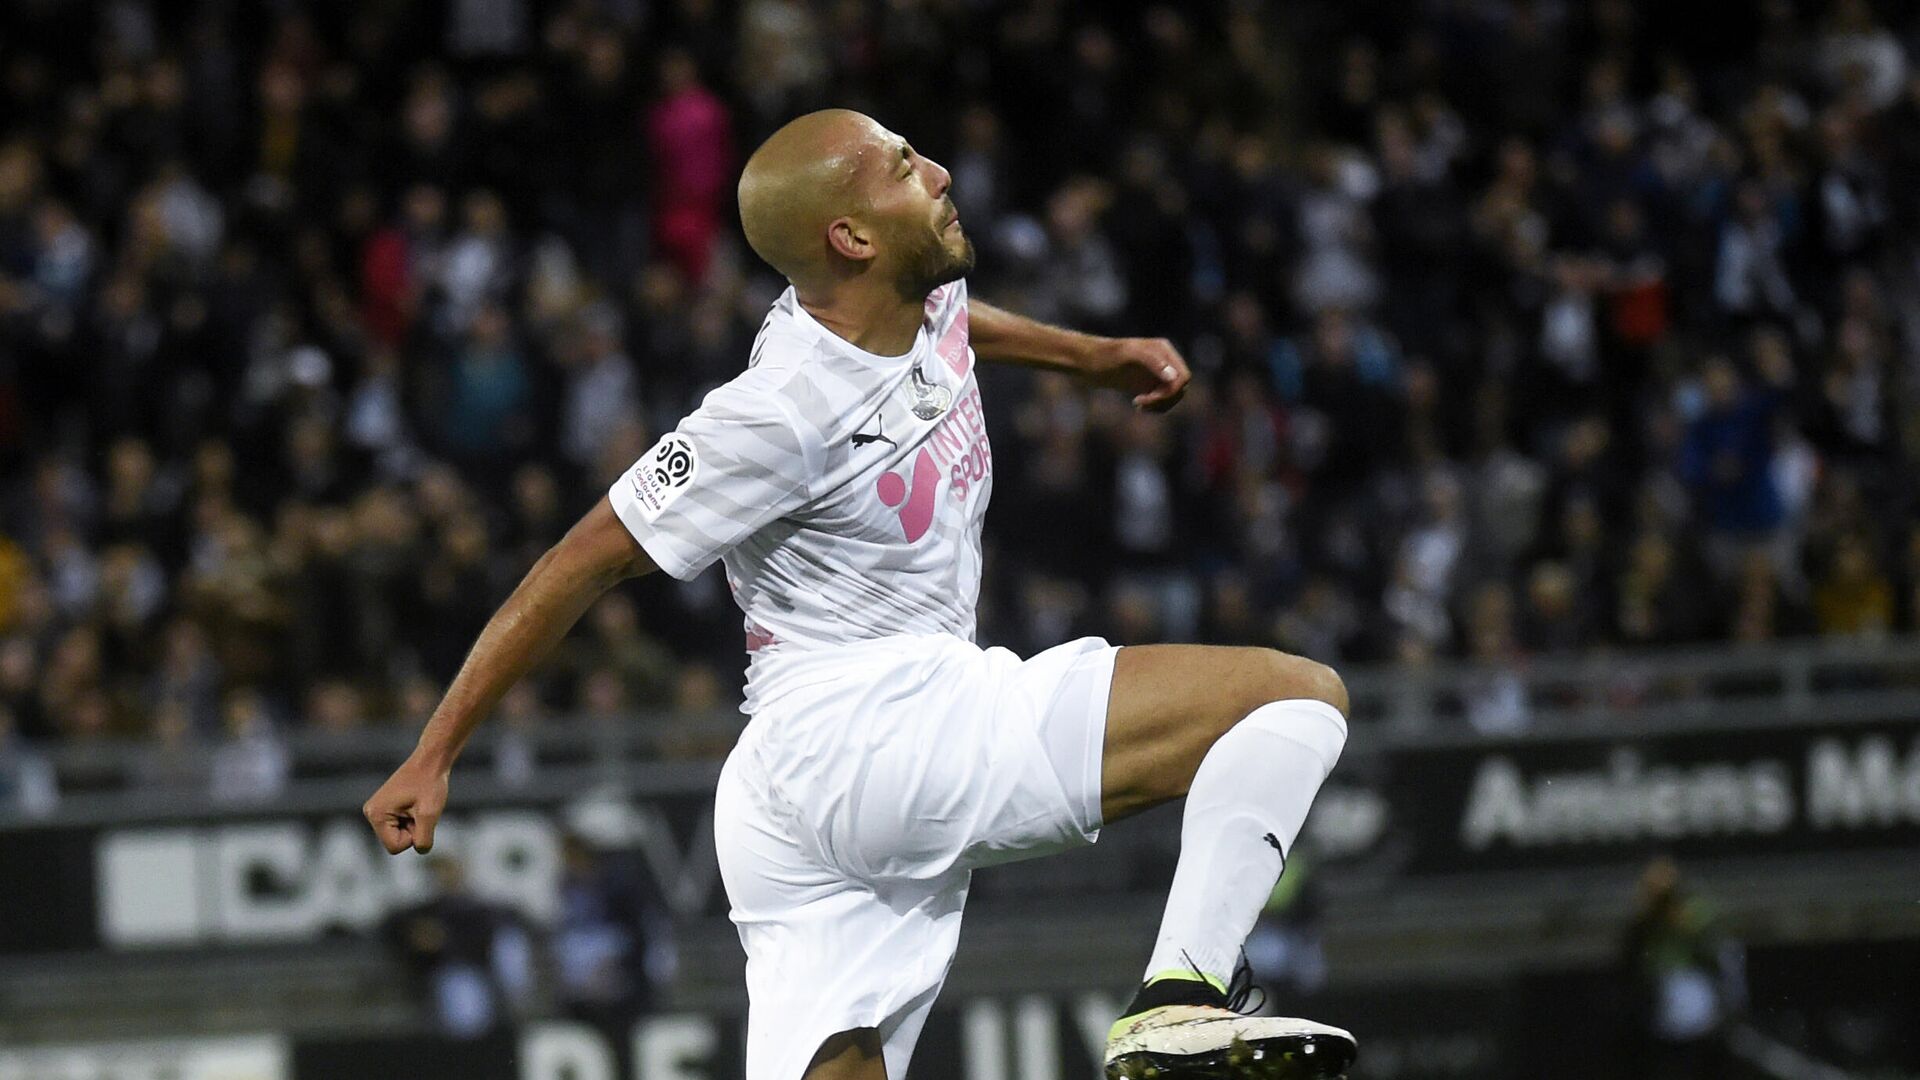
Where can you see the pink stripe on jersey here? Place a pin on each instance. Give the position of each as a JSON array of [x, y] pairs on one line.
[[953, 344], [938, 297]]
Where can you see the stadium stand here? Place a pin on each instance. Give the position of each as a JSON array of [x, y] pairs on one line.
[[1521, 329]]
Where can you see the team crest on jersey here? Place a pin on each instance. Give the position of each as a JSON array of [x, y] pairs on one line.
[[659, 477]]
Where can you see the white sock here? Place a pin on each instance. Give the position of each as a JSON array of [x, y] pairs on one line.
[[1257, 781]]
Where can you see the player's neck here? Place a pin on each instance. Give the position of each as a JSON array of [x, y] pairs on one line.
[[878, 321]]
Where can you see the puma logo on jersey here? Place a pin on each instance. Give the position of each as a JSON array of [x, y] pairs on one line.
[[915, 502], [861, 438]]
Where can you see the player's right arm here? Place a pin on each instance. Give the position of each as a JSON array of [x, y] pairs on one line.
[[595, 555]]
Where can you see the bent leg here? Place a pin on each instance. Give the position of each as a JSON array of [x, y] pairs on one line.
[[1248, 735], [1171, 703]]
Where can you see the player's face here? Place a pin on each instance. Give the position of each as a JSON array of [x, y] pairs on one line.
[[921, 238]]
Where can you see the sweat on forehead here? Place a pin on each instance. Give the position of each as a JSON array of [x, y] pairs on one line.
[[829, 141]]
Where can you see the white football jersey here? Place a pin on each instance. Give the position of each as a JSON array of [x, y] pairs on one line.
[[840, 514]]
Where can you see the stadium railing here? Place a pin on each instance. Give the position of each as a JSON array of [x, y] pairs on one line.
[[1604, 691]]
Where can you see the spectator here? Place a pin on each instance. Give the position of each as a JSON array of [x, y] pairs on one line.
[[782, 64], [1559, 615], [689, 132], [1322, 622], [1420, 227], [1081, 281], [1751, 279], [1335, 271], [698, 688], [396, 263], [1851, 417], [1861, 59], [376, 421], [336, 706], [188, 676], [1727, 460], [477, 267], [609, 946], [521, 714], [1429, 555], [603, 697], [173, 766], [1143, 491], [251, 763], [538, 518], [1657, 600], [1688, 981], [1505, 492], [1494, 697], [1762, 607], [616, 643], [28, 784], [600, 388], [1853, 598], [470, 960], [71, 684], [485, 414], [456, 596], [19, 677], [1347, 378], [982, 174], [602, 209]]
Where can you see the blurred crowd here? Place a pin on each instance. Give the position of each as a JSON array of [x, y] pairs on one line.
[[1519, 327], [475, 965]]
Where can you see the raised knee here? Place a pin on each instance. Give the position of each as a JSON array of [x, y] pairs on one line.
[[1292, 677]]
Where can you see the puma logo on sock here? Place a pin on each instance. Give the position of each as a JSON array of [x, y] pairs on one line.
[[1275, 841]]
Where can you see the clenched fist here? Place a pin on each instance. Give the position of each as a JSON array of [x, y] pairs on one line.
[[405, 810], [1150, 369]]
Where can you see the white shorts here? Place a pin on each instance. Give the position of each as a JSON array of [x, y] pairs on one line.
[[858, 802]]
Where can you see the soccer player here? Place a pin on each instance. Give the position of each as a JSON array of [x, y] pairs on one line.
[[841, 479]]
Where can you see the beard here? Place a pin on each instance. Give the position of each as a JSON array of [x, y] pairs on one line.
[[929, 263]]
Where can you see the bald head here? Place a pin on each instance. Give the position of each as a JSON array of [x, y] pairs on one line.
[[803, 177]]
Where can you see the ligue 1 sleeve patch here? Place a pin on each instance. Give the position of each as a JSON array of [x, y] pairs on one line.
[[666, 471]]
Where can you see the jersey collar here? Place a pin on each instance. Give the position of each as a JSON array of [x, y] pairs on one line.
[[842, 345]]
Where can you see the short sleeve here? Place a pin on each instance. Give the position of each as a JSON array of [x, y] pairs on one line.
[[733, 466]]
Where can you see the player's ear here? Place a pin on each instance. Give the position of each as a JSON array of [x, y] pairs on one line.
[[850, 240]]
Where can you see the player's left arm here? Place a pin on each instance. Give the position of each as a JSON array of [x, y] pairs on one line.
[[1150, 369]]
